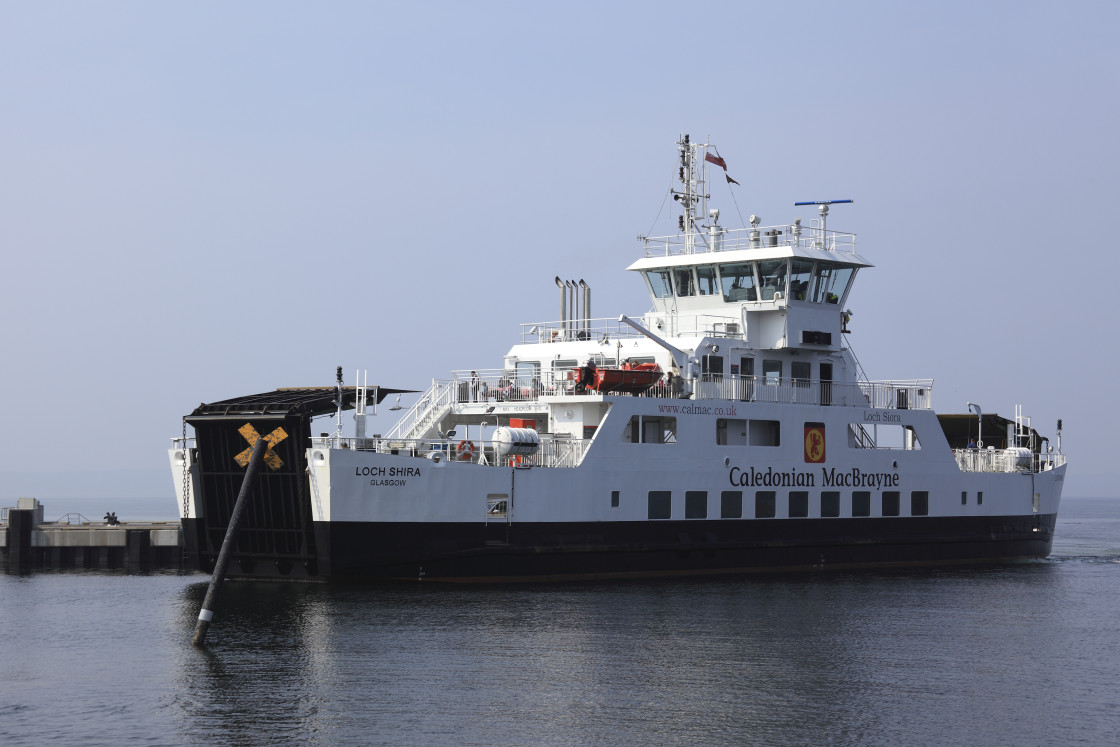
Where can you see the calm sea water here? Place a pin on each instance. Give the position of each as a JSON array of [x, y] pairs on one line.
[[1010, 655]]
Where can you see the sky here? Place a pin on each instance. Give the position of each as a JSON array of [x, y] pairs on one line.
[[203, 200]]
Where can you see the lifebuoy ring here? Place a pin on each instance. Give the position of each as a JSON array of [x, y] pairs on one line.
[[465, 450]]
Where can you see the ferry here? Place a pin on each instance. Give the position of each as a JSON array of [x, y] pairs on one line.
[[729, 429]]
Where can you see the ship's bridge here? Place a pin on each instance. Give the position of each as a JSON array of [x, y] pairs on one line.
[[787, 285]]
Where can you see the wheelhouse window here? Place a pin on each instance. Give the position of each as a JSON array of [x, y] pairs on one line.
[[738, 282], [706, 281], [660, 283], [682, 276], [800, 274], [830, 281], [772, 276]]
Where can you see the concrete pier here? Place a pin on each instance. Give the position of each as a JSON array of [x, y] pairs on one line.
[[28, 544]]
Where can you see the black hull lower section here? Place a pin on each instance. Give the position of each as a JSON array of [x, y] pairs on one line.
[[549, 551]]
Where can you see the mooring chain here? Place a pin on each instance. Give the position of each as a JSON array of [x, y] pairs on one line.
[[186, 492]]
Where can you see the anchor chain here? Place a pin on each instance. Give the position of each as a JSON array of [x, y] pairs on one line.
[[186, 491]]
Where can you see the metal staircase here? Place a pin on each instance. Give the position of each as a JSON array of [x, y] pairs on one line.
[[428, 410]]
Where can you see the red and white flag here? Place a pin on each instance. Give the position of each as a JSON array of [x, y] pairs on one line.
[[716, 160]]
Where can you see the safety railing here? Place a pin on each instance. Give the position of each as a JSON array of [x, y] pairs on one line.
[[1006, 460], [553, 451], [497, 385], [609, 331], [728, 240]]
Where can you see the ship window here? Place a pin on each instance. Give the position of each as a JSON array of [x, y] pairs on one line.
[[882, 436], [772, 275], [731, 504], [830, 503], [800, 273], [711, 366], [765, 433], [829, 282], [602, 362], [861, 503], [772, 372], [660, 283], [696, 504], [890, 503], [528, 374], [560, 370], [706, 280], [800, 372], [919, 503], [731, 432], [738, 282], [798, 504], [614, 499], [964, 497], [746, 382], [660, 504], [647, 430], [683, 278], [980, 498], [764, 504]]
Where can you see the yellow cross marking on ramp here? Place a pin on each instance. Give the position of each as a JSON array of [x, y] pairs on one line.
[[251, 435]]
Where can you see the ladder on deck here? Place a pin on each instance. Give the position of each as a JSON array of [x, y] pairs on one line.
[[428, 410]]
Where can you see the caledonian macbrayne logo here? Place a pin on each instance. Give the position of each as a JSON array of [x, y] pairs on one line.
[[814, 443], [251, 435]]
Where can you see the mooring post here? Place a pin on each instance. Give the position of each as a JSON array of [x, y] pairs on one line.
[[216, 578]]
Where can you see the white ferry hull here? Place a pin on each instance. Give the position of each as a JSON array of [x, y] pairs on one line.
[[401, 517]]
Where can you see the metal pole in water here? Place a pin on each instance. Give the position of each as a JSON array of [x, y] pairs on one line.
[[216, 578]]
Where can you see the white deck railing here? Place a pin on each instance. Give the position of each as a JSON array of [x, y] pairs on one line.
[[553, 452], [1006, 460], [806, 237], [609, 330], [497, 385]]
